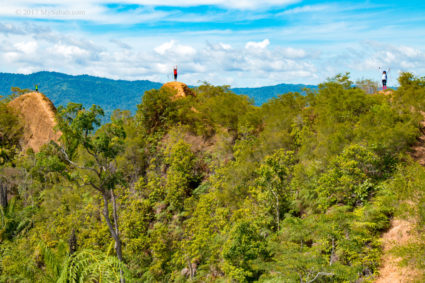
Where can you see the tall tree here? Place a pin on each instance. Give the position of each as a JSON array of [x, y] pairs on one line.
[[274, 179], [10, 133], [79, 139]]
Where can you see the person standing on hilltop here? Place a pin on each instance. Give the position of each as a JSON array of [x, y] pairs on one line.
[[36, 88], [384, 80], [175, 73]]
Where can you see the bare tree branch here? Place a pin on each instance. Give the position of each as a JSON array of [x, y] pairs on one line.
[[65, 155], [320, 274]]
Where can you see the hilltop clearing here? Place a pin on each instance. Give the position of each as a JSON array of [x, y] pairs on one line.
[[38, 115], [182, 89]]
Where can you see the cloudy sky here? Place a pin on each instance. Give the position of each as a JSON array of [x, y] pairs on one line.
[[236, 42]]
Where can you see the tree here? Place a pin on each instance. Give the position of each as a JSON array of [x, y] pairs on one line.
[[342, 79], [243, 247], [368, 86], [16, 91], [102, 148], [410, 93], [220, 107], [157, 110], [350, 178], [181, 175], [275, 175], [10, 134]]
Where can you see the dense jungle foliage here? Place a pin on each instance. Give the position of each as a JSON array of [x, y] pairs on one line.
[[214, 189]]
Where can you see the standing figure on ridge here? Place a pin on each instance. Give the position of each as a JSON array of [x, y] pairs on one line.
[[384, 80], [175, 73], [36, 88]]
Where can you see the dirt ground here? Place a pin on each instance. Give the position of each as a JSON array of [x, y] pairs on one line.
[[37, 114], [401, 233]]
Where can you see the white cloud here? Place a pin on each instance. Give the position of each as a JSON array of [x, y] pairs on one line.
[[218, 62], [305, 9], [233, 4], [225, 46], [172, 48], [257, 45], [410, 52], [7, 28], [367, 60], [78, 10], [294, 53], [163, 48], [407, 65], [98, 11], [162, 68], [242, 58], [26, 70], [120, 43], [68, 51], [11, 57], [26, 47]]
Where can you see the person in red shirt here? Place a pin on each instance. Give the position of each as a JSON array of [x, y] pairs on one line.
[[175, 73]]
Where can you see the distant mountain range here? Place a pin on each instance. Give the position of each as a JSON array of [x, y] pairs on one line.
[[113, 94], [263, 94]]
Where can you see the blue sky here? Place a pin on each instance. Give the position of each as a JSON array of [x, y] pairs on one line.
[[241, 43]]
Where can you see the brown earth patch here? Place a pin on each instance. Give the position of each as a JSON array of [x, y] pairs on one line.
[[182, 89], [400, 234], [38, 115]]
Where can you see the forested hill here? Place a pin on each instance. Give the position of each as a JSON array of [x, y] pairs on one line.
[[211, 188], [88, 90], [262, 94], [111, 94]]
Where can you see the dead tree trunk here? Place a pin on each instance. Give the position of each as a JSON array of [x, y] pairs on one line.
[[332, 258], [113, 229], [277, 211], [72, 242], [3, 194]]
